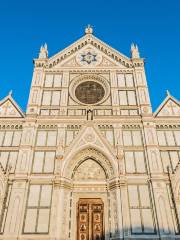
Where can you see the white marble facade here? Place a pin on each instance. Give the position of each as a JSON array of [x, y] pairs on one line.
[[89, 132]]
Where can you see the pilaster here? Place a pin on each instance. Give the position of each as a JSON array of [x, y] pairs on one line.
[[64, 93], [26, 150], [141, 87], [125, 210], [35, 95], [15, 213], [163, 210]]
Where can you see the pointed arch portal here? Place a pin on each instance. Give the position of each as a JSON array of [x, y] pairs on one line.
[[89, 171]]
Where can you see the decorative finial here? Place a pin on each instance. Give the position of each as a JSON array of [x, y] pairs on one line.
[[43, 51], [10, 93], [89, 29], [134, 51], [168, 93]]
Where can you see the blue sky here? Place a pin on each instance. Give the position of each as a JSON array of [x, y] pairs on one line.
[[153, 24]]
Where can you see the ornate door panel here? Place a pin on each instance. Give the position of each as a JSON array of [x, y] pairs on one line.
[[83, 222], [90, 219]]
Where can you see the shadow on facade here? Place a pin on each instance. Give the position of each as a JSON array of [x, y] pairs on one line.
[[138, 234]]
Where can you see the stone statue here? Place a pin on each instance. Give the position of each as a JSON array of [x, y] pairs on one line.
[[89, 29]]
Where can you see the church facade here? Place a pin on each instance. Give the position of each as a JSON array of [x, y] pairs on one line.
[[89, 160]]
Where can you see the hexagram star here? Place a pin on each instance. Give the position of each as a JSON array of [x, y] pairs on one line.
[[89, 57]]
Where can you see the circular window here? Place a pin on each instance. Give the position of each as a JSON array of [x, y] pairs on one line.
[[89, 92], [89, 89]]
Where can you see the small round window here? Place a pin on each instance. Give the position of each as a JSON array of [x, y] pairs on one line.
[[89, 92]]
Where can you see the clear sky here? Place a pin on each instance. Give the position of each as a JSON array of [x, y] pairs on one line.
[[153, 24]]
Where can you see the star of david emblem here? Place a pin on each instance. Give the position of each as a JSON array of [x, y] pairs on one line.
[[89, 57]]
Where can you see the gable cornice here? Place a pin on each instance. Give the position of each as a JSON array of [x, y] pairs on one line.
[[95, 42]]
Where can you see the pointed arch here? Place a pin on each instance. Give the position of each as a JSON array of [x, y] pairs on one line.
[[82, 155]]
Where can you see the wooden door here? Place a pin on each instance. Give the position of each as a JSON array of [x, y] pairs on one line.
[[90, 219]]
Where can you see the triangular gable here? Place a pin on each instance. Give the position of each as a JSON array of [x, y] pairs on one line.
[[90, 40], [90, 136], [10, 109], [170, 107], [100, 59]]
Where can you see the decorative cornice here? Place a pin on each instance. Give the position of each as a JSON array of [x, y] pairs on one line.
[[11, 126], [131, 126], [167, 126], [47, 126]]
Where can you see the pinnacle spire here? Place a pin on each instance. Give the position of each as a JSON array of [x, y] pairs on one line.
[[10, 93], [168, 93], [134, 51], [43, 51]]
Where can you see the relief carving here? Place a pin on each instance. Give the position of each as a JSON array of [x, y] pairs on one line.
[[71, 63], [106, 63], [88, 57], [89, 170], [90, 137]]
